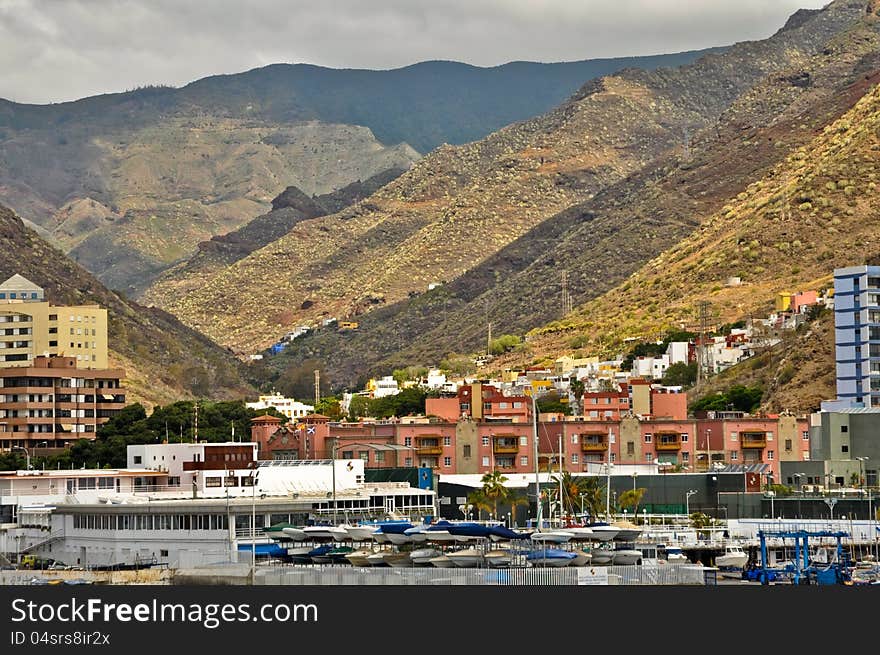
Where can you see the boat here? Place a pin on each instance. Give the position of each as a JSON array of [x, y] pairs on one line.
[[339, 533], [675, 554], [501, 533], [397, 560], [423, 556], [602, 556], [441, 562], [625, 556], [552, 557], [580, 532], [399, 538], [338, 555], [417, 534], [603, 531], [467, 558], [734, 557], [377, 559], [359, 557], [318, 532], [626, 531], [294, 534], [360, 532], [498, 558], [582, 558], [320, 555], [300, 554], [395, 531], [555, 536]]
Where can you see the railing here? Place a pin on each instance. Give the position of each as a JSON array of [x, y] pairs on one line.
[[593, 447], [667, 445], [429, 450], [667, 574], [753, 441], [55, 536]]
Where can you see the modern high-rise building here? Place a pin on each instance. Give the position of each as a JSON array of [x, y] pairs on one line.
[[857, 335], [30, 327]]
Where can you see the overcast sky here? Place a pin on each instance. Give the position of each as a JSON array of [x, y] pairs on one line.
[[54, 50]]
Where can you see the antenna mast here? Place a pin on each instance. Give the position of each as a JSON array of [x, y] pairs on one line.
[[317, 388], [567, 304]]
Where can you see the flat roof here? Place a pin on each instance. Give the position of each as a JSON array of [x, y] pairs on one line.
[[79, 473]]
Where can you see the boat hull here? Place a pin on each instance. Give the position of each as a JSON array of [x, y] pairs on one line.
[[442, 562], [625, 557]]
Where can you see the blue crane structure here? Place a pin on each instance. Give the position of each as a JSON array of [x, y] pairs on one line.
[[802, 571]]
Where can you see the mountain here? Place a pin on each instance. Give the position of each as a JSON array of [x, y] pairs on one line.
[[626, 168], [288, 209], [164, 360], [128, 184]]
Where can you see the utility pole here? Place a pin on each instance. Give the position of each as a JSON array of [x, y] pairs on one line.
[[567, 304], [317, 388], [489, 340]]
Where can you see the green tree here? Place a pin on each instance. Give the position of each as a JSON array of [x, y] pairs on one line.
[[581, 490], [358, 407], [577, 390], [631, 498], [680, 374], [330, 407], [503, 344], [494, 490], [552, 402], [477, 499]]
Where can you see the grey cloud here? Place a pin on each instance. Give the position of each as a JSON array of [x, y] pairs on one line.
[[53, 50]]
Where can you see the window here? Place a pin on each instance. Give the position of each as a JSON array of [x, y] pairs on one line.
[[630, 448], [613, 457], [466, 451], [447, 461], [517, 405], [805, 435], [844, 448], [485, 461], [734, 436], [649, 457], [770, 455], [212, 482], [734, 455], [364, 455], [407, 441], [137, 459], [487, 407], [524, 461], [648, 437], [788, 444], [685, 457], [769, 436], [407, 461], [347, 454], [163, 553], [465, 407], [380, 457], [574, 458], [844, 428], [447, 441], [485, 441], [502, 405], [684, 437], [574, 438], [523, 441]]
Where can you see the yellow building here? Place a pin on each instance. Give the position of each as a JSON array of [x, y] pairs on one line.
[[783, 301], [30, 326]]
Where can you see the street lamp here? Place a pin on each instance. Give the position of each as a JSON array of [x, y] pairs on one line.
[[255, 476], [635, 475], [687, 501], [831, 502], [708, 449], [26, 454]]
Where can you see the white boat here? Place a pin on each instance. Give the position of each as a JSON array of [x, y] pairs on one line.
[[339, 533], [551, 557], [602, 556], [417, 534], [377, 559], [626, 556], [440, 535], [467, 558], [399, 539], [498, 558], [554, 537], [441, 562], [360, 557], [397, 560], [734, 557], [360, 532], [675, 554], [582, 558], [294, 534], [318, 532], [423, 556], [580, 533], [604, 532], [626, 531], [300, 551]]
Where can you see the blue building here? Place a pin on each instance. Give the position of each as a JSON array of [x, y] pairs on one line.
[[857, 335]]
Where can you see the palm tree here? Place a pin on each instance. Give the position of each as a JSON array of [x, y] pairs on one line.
[[515, 500], [586, 488], [632, 498], [478, 500], [494, 490]]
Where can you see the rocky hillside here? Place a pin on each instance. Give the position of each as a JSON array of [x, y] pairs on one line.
[[128, 184], [288, 209], [624, 170], [164, 360]]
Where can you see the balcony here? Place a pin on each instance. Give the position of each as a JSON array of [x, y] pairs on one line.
[[594, 444], [753, 440], [505, 445], [428, 447], [667, 442]]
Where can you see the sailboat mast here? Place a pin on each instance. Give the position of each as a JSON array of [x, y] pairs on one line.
[[608, 478], [535, 439]]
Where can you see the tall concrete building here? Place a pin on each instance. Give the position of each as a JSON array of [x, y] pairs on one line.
[[857, 335], [30, 326]]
